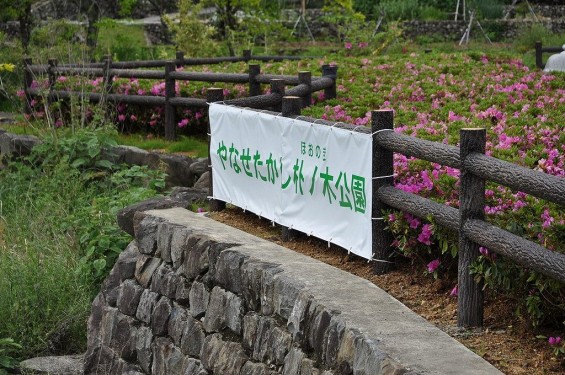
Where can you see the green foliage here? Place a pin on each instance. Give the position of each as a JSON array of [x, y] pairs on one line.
[[400, 9], [349, 24], [10, 79], [56, 33], [487, 9], [7, 347], [58, 236], [529, 35], [191, 35], [126, 7], [126, 42]]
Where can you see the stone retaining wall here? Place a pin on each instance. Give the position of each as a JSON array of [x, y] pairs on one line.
[[497, 29], [193, 296], [181, 170]]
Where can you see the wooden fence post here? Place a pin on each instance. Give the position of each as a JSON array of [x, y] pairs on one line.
[[330, 72], [291, 106], [170, 126], [28, 81], [246, 55], [213, 95], [52, 79], [278, 87], [107, 79], [539, 57], [382, 175], [471, 206], [179, 59], [254, 86], [107, 73], [305, 77]]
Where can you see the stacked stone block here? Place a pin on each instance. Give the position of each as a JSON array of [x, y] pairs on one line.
[[177, 302]]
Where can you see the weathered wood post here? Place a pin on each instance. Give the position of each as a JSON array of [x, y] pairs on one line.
[[107, 79], [330, 72], [52, 76], [291, 106], [471, 206], [213, 95], [305, 78], [28, 81], [254, 86], [383, 169], [539, 57], [278, 87], [179, 59], [246, 55], [170, 126], [107, 73]]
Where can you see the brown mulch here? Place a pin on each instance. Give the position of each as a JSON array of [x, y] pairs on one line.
[[505, 341]]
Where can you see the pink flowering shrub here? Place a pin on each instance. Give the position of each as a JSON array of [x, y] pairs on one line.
[[433, 96]]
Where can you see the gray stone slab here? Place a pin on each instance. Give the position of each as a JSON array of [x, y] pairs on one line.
[[61, 365], [393, 328]]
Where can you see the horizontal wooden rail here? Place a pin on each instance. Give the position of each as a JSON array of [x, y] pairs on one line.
[[92, 72], [181, 60], [211, 77], [419, 148], [299, 90], [421, 207], [188, 102], [259, 101], [137, 73], [526, 253], [539, 184]]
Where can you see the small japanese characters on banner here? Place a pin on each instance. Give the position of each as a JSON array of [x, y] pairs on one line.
[[309, 177]]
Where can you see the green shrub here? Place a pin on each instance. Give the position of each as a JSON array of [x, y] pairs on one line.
[[530, 34], [59, 238], [7, 348]]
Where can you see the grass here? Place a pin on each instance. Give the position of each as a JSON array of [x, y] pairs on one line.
[[192, 146]]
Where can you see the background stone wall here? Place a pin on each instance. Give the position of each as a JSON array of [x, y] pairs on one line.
[[181, 170], [499, 29]]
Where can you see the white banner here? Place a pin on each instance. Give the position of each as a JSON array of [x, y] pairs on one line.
[[312, 178]]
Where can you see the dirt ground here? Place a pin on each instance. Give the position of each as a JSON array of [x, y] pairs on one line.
[[505, 341]]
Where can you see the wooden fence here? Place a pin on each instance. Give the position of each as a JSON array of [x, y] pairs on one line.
[[540, 50], [469, 220], [304, 84]]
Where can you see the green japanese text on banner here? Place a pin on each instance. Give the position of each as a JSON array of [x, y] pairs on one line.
[[309, 177]]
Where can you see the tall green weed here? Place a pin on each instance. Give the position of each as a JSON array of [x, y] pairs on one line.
[[59, 238]]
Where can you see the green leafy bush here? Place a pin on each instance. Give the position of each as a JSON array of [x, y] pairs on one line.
[[59, 238], [7, 362]]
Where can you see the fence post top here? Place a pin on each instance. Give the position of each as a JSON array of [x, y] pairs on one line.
[[472, 129]]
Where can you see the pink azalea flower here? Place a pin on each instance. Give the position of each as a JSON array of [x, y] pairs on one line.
[[433, 265], [453, 117], [121, 118], [454, 292], [425, 235], [348, 45], [554, 340], [182, 123]]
